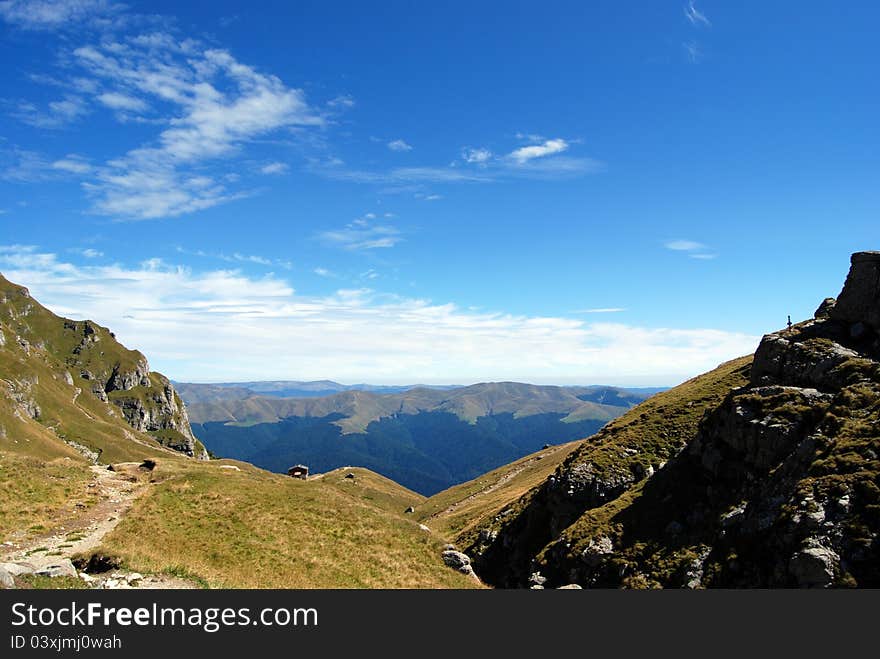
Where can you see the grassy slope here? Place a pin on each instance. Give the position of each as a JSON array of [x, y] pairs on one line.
[[460, 509], [250, 528], [646, 436]]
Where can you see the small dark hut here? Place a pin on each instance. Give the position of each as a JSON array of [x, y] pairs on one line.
[[298, 471]]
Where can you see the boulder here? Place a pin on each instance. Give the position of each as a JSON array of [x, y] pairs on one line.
[[409, 509], [814, 566], [859, 301], [6, 580], [597, 550], [571, 586], [63, 568], [824, 309], [458, 561], [17, 569]]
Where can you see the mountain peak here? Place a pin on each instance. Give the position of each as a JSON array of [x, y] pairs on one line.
[[859, 301]]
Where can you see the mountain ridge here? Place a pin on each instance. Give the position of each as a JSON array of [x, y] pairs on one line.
[[770, 478]]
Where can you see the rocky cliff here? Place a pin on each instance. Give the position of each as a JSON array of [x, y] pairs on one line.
[[765, 475], [41, 352]]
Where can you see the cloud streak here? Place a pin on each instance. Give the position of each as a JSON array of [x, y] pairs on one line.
[[695, 16], [362, 234], [223, 325], [692, 248], [547, 148]]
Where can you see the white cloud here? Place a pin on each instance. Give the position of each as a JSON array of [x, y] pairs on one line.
[[72, 164], [88, 252], [119, 101], [237, 257], [215, 106], [57, 114], [323, 272], [694, 15], [694, 249], [602, 310], [54, 14], [399, 145], [223, 325], [549, 147], [693, 51], [684, 245], [362, 234], [476, 156], [274, 168], [341, 101]]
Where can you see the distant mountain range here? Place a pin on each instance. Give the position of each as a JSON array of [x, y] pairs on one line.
[[292, 389], [424, 438]]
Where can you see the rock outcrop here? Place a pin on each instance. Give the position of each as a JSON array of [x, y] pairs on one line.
[[777, 484], [87, 359]]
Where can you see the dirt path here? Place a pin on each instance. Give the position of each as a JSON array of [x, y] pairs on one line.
[[509, 476], [83, 531]]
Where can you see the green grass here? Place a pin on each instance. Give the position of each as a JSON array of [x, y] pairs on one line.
[[34, 492], [249, 528], [39, 582], [470, 506]]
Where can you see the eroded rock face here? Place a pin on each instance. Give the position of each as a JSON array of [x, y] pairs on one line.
[[777, 485], [860, 299]]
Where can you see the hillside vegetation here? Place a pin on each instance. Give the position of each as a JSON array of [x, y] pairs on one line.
[[73, 398], [244, 527], [762, 473], [425, 439]]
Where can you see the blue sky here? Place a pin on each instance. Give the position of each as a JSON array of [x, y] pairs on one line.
[[556, 192]]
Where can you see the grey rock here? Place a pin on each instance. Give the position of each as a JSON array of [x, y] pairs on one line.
[[18, 569], [859, 301], [458, 561], [6, 580], [571, 586], [537, 579], [814, 565], [597, 550], [824, 309], [63, 568]]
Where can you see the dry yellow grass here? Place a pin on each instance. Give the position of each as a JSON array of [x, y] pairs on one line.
[[460, 509], [35, 492], [249, 528]]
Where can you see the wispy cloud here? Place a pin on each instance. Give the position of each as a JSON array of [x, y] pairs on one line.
[[119, 101], [220, 105], [362, 234], [693, 51], [57, 114], [73, 164], [684, 245], [261, 328], [547, 148], [694, 15], [694, 249], [323, 272], [275, 168], [25, 166], [87, 252], [601, 310], [55, 14], [237, 257], [399, 145], [535, 161], [476, 156]]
